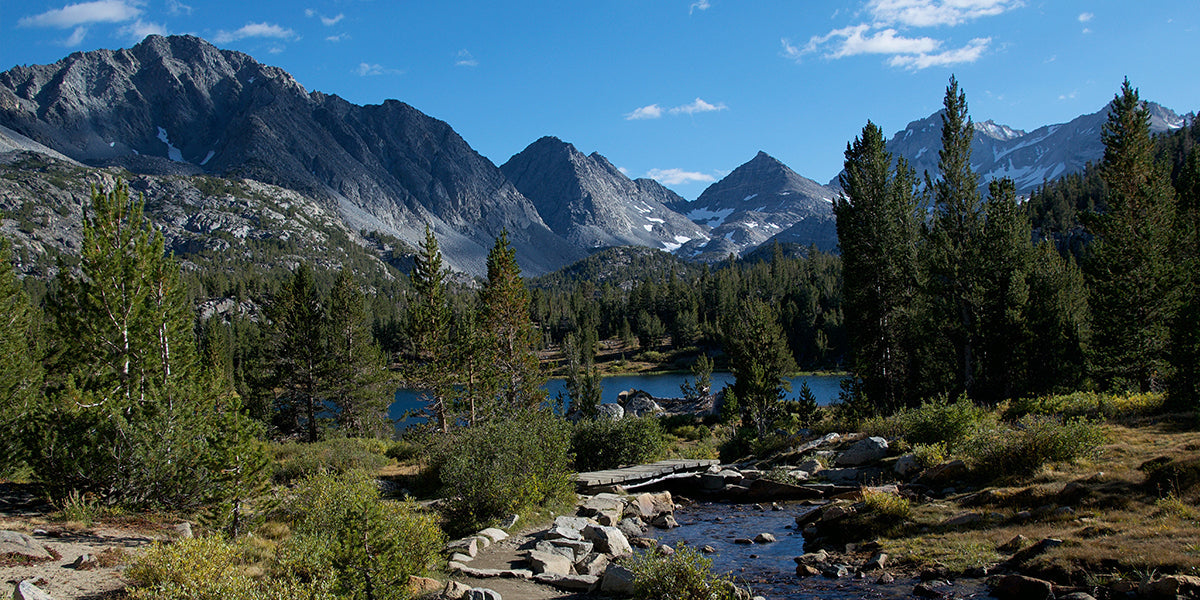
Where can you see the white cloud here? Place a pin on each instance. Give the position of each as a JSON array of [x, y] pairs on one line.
[[372, 69], [854, 41], [653, 111], [699, 5], [175, 7], [789, 51], [1070, 96], [1085, 17], [138, 30], [337, 38], [74, 15], [331, 21], [623, 171], [464, 59], [967, 54], [698, 106], [930, 13], [678, 176], [264, 30], [75, 39]]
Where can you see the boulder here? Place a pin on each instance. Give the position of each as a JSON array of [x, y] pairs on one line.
[[86, 562], [468, 546], [605, 508], [562, 533], [617, 580], [631, 527], [15, 542], [592, 564], [1171, 587], [571, 583], [907, 465], [482, 594], [875, 563], [549, 548], [842, 475], [608, 540], [421, 586], [494, 534], [577, 548], [612, 412], [547, 562], [184, 530], [764, 538], [455, 590], [641, 405], [26, 590], [1021, 587], [811, 465], [666, 521], [510, 521], [863, 452], [946, 472]]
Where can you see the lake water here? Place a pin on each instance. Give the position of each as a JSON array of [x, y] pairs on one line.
[[824, 387]]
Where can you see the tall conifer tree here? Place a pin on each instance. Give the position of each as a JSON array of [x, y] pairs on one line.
[[877, 222], [514, 374], [1129, 266], [20, 369]]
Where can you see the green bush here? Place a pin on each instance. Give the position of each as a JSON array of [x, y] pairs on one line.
[[297, 460], [1021, 450], [1092, 405], [501, 466], [364, 547], [403, 450], [606, 444], [685, 575], [208, 568]]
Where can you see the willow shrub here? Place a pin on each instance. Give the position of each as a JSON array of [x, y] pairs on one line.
[[1024, 447], [607, 444], [504, 465], [685, 575]]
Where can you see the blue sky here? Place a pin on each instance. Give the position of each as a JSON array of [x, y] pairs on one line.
[[680, 90]]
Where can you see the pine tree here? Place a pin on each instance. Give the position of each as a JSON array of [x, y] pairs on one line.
[[1004, 260], [954, 289], [298, 354], [432, 365], [20, 369], [132, 418], [1059, 322], [1184, 387], [513, 375], [760, 362], [357, 380], [877, 221], [1130, 272]]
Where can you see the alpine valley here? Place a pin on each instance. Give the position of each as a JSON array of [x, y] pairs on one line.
[[234, 156]]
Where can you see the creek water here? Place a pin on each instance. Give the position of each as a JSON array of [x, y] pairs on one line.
[[768, 569], [665, 385]]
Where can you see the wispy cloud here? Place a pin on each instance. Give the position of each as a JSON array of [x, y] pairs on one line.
[[678, 176], [464, 59], [698, 106], [84, 13], [175, 7], [967, 54], [931, 13], [249, 30], [372, 69], [654, 111], [880, 33], [337, 38], [75, 39], [139, 29], [1086, 17], [699, 5], [326, 21]]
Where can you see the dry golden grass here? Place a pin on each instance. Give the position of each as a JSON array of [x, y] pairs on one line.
[[1116, 527]]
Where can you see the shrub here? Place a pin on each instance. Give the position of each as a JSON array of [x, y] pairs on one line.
[[940, 420], [886, 506], [1021, 450], [685, 575], [297, 460], [403, 450], [1092, 405], [208, 568], [606, 444], [498, 467], [364, 547], [929, 455]]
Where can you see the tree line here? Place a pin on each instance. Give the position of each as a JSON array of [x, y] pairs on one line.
[[948, 292]]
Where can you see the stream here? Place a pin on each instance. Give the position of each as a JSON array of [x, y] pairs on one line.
[[768, 569]]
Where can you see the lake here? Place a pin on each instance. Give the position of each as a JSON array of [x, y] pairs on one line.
[[664, 385]]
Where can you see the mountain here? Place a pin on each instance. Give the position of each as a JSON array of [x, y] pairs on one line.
[[586, 200], [754, 203], [180, 106], [1029, 158]]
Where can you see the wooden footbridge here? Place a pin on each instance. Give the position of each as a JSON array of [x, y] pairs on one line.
[[636, 475]]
